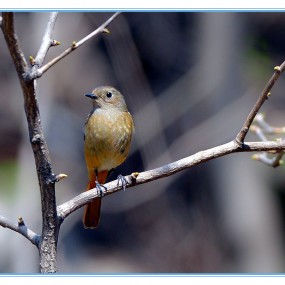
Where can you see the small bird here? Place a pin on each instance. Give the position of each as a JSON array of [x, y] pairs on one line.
[[108, 134]]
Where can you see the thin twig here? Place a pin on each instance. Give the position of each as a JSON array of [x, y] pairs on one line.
[[274, 161], [21, 229], [266, 128], [259, 132], [67, 208], [75, 45], [261, 128], [45, 45], [277, 160], [264, 95], [47, 39]]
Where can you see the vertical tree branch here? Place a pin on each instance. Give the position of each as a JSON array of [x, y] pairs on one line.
[[48, 242]]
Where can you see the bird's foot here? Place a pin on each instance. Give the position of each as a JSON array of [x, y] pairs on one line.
[[123, 181], [101, 189]]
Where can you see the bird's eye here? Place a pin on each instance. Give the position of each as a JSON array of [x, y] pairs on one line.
[[109, 94]]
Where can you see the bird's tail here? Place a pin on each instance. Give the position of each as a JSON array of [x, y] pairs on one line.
[[92, 210]]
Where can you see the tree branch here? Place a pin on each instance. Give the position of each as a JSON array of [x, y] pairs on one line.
[[20, 228], [74, 46], [264, 95], [67, 208]]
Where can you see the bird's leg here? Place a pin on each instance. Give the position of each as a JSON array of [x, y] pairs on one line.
[[101, 188]]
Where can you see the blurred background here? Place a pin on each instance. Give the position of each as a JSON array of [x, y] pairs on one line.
[[189, 79]]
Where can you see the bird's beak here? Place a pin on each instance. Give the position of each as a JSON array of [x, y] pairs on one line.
[[91, 95]]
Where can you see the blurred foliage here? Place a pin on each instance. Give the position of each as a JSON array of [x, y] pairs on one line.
[[8, 175]]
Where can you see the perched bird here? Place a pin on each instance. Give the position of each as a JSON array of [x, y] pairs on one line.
[[107, 139]]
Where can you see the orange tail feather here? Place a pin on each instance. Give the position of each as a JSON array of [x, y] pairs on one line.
[[92, 210]]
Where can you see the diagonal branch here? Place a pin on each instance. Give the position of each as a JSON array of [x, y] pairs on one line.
[[67, 208], [74, 46], [20, 228], [264, 95]]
